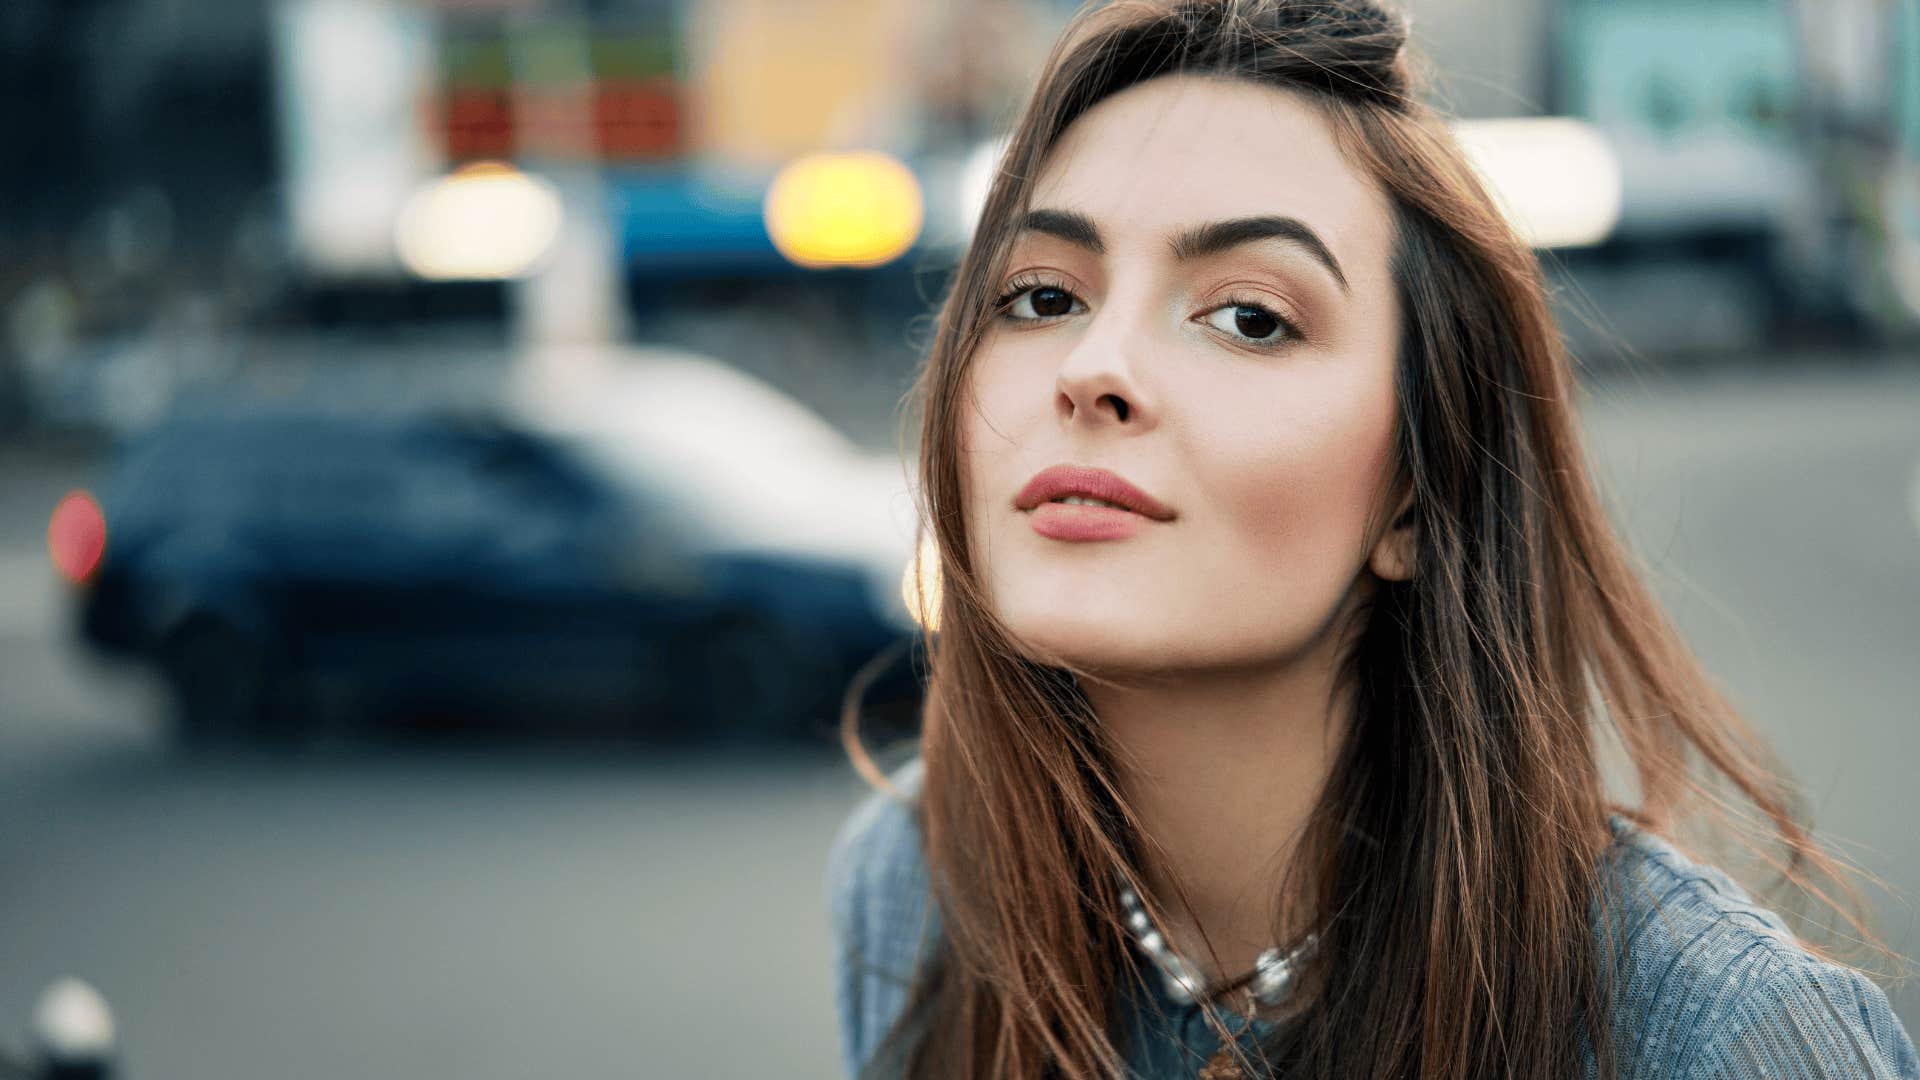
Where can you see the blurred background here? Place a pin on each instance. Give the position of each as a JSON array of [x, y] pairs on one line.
[[449, 474]]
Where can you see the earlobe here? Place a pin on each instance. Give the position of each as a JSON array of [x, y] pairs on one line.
[[1392, 557]]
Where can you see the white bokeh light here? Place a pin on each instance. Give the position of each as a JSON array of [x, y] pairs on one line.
[[485, 222], [1556, 178]]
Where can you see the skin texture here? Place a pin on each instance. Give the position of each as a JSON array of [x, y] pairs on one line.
[[1221, 630]]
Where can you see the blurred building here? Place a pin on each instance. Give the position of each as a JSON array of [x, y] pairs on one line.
[[135, 198], [181, 170], [1770, 170]]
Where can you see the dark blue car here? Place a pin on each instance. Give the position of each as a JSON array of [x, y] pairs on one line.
[[290, 571]]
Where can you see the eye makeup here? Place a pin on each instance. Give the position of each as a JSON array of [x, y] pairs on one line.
[[1256, 322]]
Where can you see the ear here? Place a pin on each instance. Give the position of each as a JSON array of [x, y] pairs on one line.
[[1392, 556]]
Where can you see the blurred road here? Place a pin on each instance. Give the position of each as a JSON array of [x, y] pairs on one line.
[[500, 909], [507, 910], [1779, 514]]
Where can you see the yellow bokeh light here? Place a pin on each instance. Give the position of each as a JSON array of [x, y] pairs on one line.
[[921, 590], [859, 209]]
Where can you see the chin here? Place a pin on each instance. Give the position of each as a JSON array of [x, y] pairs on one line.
[[1129, 638], [1092, 637]]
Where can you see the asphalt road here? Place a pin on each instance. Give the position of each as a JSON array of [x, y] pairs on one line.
[[520, 909]]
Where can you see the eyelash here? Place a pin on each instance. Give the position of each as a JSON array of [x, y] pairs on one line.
[[1288, 332]]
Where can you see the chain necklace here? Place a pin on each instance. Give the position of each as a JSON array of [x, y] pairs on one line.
[[1273, 972]]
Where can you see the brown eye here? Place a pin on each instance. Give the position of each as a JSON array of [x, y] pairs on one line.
[[1036, 302], [1251, 323], [1049, 301]]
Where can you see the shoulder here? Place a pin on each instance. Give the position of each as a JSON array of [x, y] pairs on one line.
[[1709, 983], [875, 859], [881, 919]]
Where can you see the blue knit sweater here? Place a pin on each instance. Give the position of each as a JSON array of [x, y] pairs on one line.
[[1714, 985]]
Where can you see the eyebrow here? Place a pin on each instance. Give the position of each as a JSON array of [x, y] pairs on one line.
[[1200, 241]]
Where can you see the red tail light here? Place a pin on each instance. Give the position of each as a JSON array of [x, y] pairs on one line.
[[77, 537]]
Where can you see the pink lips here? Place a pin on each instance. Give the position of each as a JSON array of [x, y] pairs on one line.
[[1061, 521]]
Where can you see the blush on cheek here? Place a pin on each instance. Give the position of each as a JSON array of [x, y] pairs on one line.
[[1295, 525], [1304, 507]]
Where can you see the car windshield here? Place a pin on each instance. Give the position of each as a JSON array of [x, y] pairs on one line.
[[738, 457]]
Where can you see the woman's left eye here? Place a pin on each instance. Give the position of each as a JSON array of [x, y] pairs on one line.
[[1251, 323]]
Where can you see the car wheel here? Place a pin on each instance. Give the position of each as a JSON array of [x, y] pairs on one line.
[[224, 683]]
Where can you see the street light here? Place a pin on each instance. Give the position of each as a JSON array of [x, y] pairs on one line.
[[857, 209]]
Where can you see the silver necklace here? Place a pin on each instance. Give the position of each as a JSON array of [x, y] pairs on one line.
[[1273, 971]]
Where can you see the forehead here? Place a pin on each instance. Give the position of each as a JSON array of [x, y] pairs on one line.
[[1181, 149]]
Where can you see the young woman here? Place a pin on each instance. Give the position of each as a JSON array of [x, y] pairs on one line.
[[1281, 641]]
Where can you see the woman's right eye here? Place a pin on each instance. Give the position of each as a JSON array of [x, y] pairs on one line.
[[1026, 303]]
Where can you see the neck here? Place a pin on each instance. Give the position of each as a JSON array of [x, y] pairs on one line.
[[1223, 770]]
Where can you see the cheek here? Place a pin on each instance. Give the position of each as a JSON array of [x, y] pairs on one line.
[[988, 432], [1001, 402], [1298, 475], [1003, 384]]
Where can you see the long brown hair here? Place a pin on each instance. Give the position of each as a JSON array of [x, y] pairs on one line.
[[1453, 860]]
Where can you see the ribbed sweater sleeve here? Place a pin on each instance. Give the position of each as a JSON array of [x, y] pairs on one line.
[[1803, 1018], [882, 925]]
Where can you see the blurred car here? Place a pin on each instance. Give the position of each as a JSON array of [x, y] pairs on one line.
[[294, 567]]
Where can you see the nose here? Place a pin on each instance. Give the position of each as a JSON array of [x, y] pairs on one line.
[[1099, 381]]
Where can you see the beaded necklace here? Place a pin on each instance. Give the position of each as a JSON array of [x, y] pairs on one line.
[[1273, 971]]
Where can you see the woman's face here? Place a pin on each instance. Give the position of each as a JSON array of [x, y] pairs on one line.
[[1179, 322]]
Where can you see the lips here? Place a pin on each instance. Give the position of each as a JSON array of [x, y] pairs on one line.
[[1063, 480]]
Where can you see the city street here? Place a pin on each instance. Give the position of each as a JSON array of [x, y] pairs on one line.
[[513, 909]]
